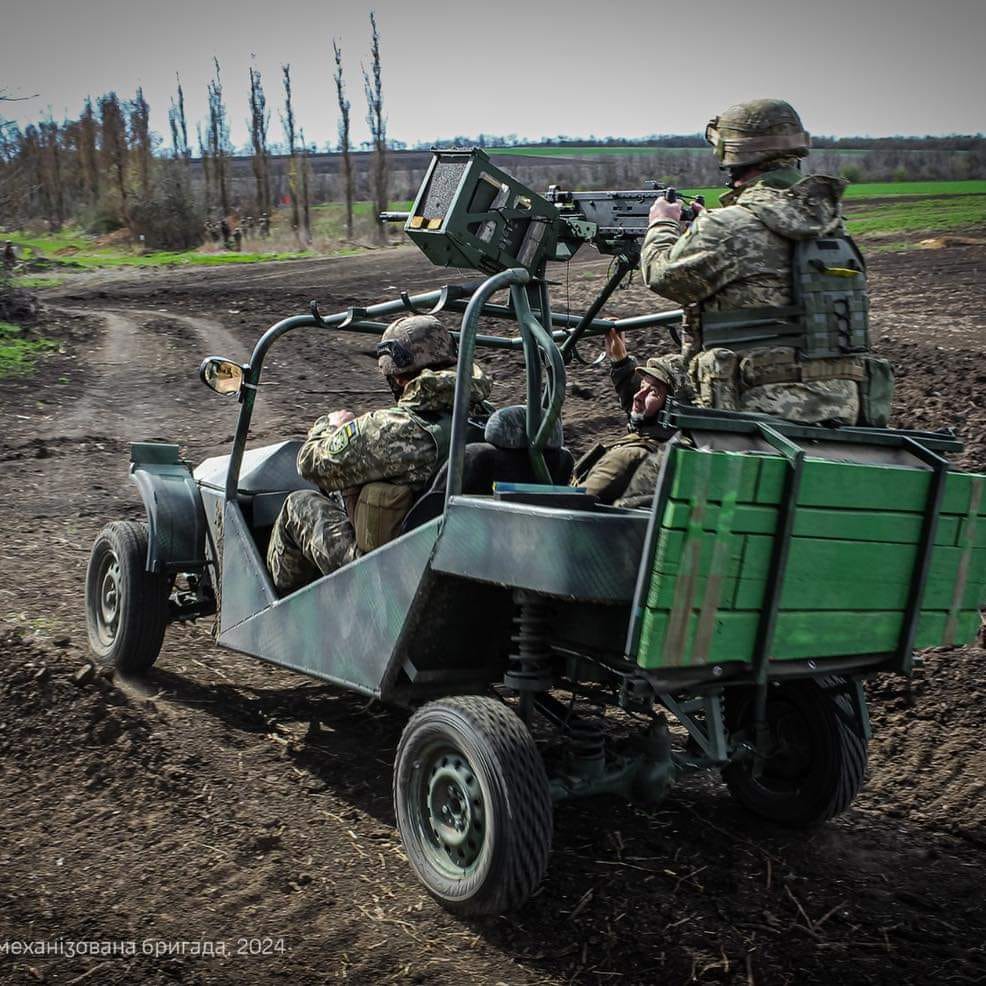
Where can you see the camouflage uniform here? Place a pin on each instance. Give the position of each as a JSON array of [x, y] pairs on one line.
[[739, 256], [314, 534]]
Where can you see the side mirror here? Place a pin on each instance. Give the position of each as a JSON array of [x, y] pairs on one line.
[[222, 375]]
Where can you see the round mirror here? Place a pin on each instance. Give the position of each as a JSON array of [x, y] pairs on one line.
[[222, 375]]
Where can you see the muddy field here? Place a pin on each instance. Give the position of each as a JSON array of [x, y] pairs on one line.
[[223, 801]]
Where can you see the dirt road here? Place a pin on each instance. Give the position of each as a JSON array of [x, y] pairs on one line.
[[222, 801]]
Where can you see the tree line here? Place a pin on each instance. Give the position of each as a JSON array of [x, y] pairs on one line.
[[108, 171]]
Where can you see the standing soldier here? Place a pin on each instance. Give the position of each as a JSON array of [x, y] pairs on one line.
[[773, 288]]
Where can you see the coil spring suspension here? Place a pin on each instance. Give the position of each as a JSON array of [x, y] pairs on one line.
[[529, 663], [586, 743]]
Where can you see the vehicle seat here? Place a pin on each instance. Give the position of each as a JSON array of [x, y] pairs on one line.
[[501, 458]]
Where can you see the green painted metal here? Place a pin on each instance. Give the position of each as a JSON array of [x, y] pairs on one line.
[[175, 518], [343, 628], [469, 213], [571, 554]]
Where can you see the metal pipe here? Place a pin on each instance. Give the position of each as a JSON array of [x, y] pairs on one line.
[[539, 431], [622, 267], [463, 375]]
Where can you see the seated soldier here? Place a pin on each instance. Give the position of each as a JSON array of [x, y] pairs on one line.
[[624, 472], [369, 469]]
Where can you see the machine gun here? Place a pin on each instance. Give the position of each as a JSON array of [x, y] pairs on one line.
[[620, 218], [469, 213]]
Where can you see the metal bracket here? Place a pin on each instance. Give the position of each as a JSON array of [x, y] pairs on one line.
[[353, 314], [919, 577], [710, 734]]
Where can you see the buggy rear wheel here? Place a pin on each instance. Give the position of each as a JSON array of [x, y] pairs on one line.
[[473, 804], [816, 758], [126, 606]]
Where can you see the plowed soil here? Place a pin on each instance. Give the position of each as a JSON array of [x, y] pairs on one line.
[[225, 802]]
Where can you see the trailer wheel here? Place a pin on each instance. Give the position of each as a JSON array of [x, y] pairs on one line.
[[817, 758], [473, 804], [126, 606]]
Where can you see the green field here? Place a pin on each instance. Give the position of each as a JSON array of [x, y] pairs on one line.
[[920, 205], [878, 190], [76, 249], [924, 215]]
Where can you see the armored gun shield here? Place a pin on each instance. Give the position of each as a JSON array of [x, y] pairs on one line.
[[471, 214]]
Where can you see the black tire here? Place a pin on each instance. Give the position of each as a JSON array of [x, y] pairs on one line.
[[477, 757], [126, 606], [818, 760]]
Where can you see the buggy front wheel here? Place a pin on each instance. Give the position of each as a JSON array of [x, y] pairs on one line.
[[126, 606], [473, 804]]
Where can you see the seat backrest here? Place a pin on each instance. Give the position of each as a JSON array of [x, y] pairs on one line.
[[484, 465]]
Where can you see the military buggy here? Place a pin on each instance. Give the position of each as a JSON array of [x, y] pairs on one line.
[[778, 566]]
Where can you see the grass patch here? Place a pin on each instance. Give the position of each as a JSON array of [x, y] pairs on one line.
[[18, 354], [32, 281]]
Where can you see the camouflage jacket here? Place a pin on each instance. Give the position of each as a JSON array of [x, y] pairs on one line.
[[739, 256], [393, 444]]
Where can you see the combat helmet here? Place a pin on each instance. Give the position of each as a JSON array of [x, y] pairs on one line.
[[753, 132], [415, 343]]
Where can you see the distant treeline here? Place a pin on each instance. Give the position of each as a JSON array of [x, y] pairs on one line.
[[950, 142], [106, 170]]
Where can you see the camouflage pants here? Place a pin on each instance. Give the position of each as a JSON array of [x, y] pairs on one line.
[[312, 537]]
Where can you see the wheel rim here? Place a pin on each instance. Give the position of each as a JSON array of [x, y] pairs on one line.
[[109, 600], [448, 811], [790, 760]]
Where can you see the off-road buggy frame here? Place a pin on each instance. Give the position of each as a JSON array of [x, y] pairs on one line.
[[778, 565]]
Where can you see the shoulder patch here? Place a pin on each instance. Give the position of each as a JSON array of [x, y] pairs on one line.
[[341, 437]]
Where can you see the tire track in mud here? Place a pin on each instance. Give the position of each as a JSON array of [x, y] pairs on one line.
[[131, 359]]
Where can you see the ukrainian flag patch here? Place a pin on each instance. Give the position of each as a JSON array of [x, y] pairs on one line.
[[343, 436]]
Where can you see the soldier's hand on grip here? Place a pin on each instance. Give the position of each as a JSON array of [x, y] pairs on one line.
[[663, 209]]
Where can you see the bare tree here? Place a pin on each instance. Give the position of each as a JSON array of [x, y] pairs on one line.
[[259, 122], [179, 126], [219, 144], [344, 139], [206, 170], [53, 173], [305, 170], [287, 121], [113, 147], [373, 88], [140, 140], [88, 160]]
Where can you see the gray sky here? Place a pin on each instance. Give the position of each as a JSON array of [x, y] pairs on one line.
[[621, 67]]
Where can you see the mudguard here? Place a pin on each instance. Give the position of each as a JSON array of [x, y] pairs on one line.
[[175, 516]]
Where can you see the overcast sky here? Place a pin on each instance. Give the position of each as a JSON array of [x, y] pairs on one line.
[[620, 67]]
